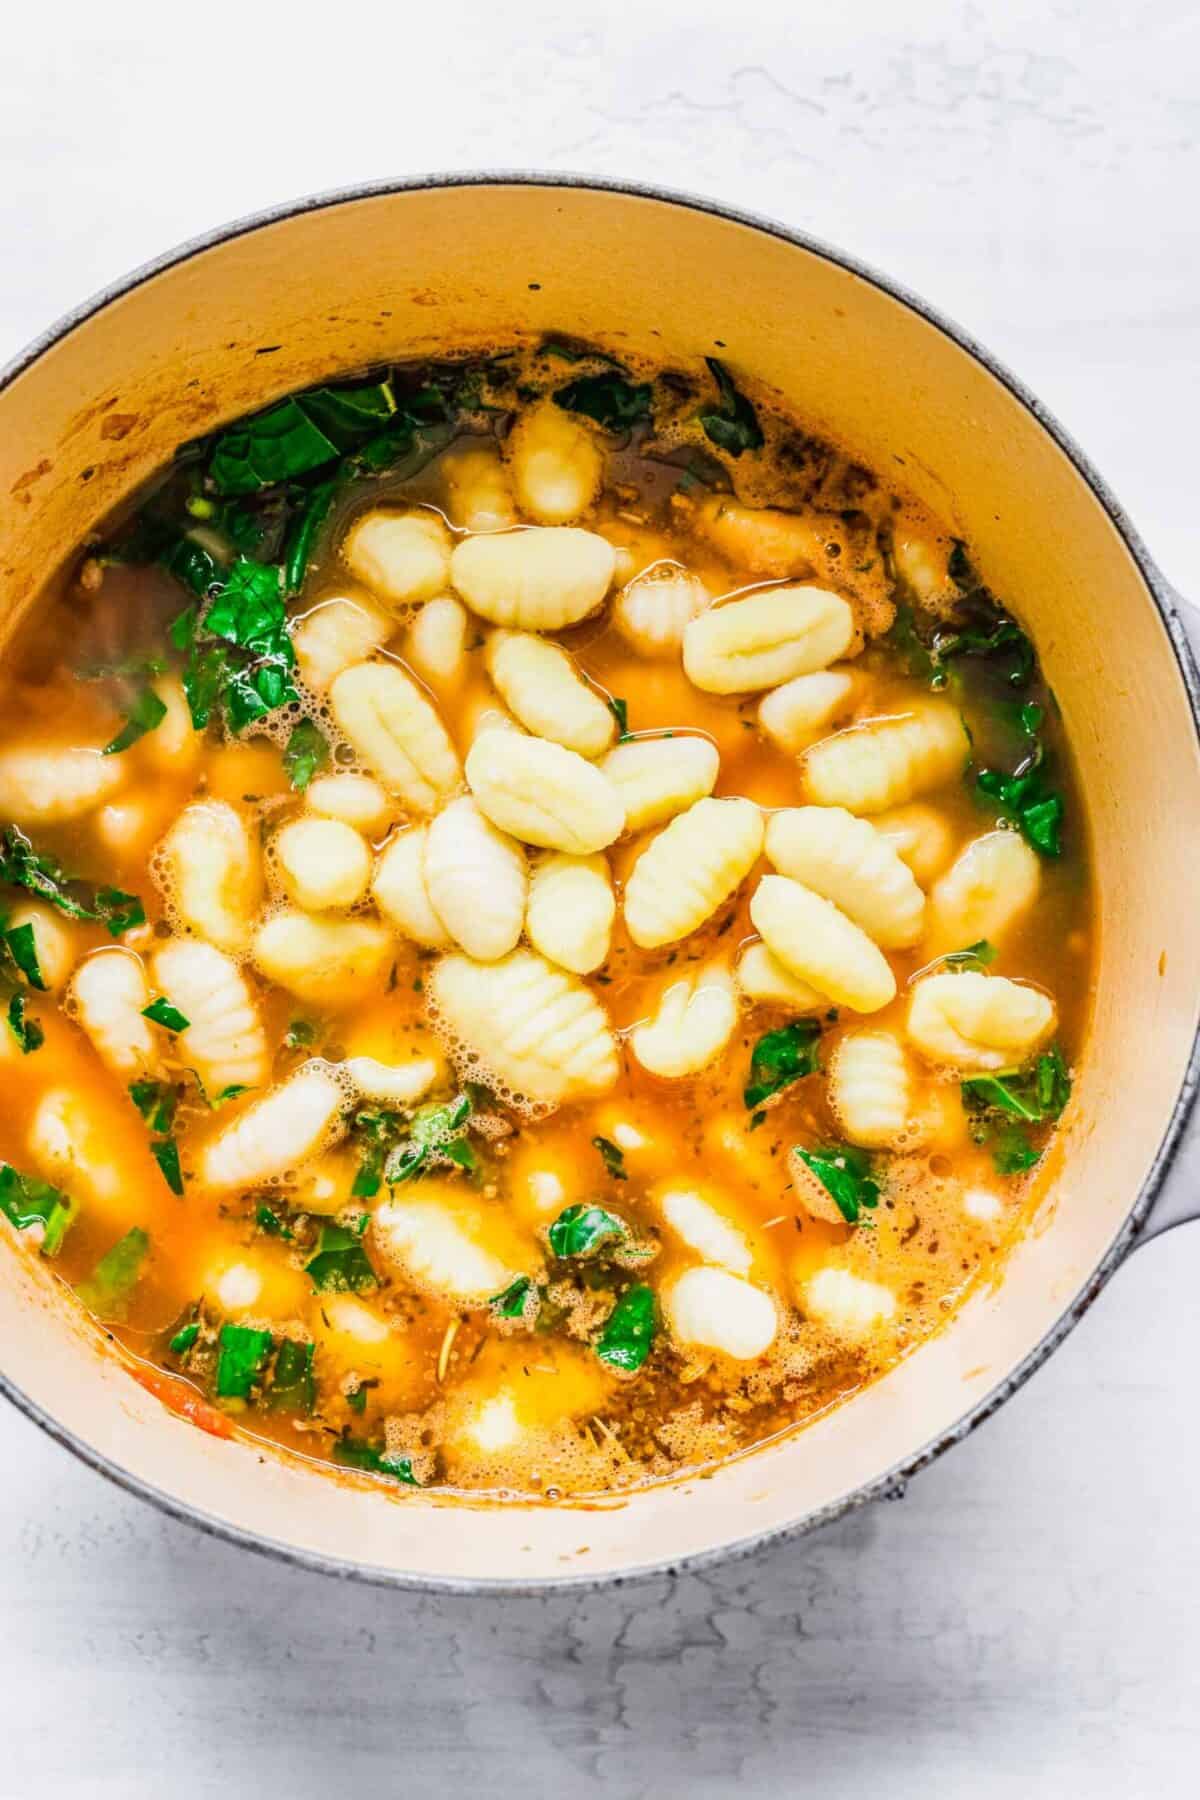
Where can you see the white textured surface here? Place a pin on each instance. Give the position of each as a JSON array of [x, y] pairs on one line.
[[1027, 1621]]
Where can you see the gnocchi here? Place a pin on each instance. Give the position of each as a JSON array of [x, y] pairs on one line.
[[436, 645], [541, 686], [211, 873], [971, 1021], [532, 1026], [403, 558], [690, 869], [277, 1133], [766, 639], [397, 732], [476, 880], [991, 884], [761, 976], [796, 714], [659, 777], [323, 863], [872, 767], [223, 1040], [539, 579], [335, 636], [571, 910], [48, 785], [710, 1309], [400, 891], [653, 611], [556, 465], [871, 1089], [109, 993], [845, 860], [326, 962], [693, 1023], [544, 795], [817, 942]]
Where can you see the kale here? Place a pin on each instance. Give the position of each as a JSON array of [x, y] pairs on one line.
[[1027, 800], [107, 1290], [628, 1334], [353, 1453], [240, 654], [620, 712], [242, 1356], [611, 399], [341, 1264], [158, 1101], [613, 1158], [782, 1057], [166, 1155], [144, 713], [27, 1201], [22, 866], [978, 955], [513, 1301], [307, 753], [303, 535], [22, 947], [161, 1012], [292, 1387], [1006, 1105], [429, 1134], [271, 1224], [979, 627], [732, 423], [28, 1032], [845, 1174], [182, 1340], [583, 1230], [298, 435]]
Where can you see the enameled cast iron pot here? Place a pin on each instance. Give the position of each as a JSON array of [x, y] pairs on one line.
[[231, 322]]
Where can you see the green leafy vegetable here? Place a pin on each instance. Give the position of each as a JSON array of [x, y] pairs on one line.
[[228, 1093], [22, 866], [614, 1158], [782, 1057], [845, 1174], [979, 627], [22, 947], [27, 1032], [583, 1230], [609, 398], [292, 1386], [25, 1202], [156, 1101], [732, 424], [620, 712], [976, 956], [1004, 1106], [184, 1338], [166, 1155], [1029, 802], [161, 1012], [241, 1359], [628, 1334], [301, 1033], [341, 1264], [306, 754], [304, 533], [355, 1454], [274, 446], [462, 1154], [107, 1290], [429, 1133], [144, 713], [513, 1301], [270, 1222]]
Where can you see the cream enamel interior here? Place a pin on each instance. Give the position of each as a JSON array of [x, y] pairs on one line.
[[417, 272]]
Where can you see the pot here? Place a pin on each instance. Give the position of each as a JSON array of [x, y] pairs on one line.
[[231, 322]]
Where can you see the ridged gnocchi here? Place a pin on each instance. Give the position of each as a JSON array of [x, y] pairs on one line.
[[436, 645], [544, 795], [761, 976], [476, 880], [478, 496], [327, 962], [871, 1089], [710, 1309], [403, 558], [357, 800], [429, 1239], [692, 1024], [277, 1133], [690, 869], [336, 635], [702, 1226], [571, 910], [816, 941], [108, 993], [798, 713], [920, 835], [538, 579], [399, 890], [846, 1305], [991, 884], [210, 869], [885, 762], [223, 1040], [846, 860], [556, 464], [971, 1021], [323, 863], [397, 732], [657, 777], [48, 785], [653, 610], [766, 639], [542, 688], [530, 1025]]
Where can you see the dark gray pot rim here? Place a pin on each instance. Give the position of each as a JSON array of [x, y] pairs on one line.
[[892, 1483]]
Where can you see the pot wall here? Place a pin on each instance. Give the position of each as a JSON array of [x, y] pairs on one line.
[[396, 275]]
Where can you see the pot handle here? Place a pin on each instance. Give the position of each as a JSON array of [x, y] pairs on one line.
[[1178, 1199]]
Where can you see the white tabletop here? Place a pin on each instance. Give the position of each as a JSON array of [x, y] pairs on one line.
[[1027, 1621]]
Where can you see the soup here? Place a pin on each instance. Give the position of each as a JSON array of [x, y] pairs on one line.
[[546, 925]]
